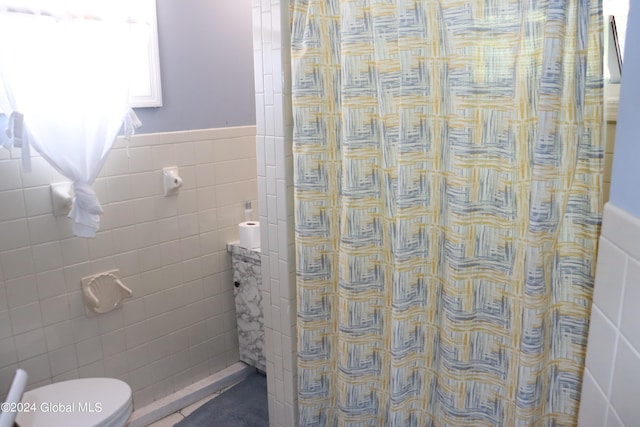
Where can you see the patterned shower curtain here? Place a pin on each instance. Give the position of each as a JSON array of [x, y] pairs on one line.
[[448, 167]]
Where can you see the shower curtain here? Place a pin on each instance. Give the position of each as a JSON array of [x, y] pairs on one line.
[[447, 175]]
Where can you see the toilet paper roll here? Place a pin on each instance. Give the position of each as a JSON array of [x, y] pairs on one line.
[[250, 234]]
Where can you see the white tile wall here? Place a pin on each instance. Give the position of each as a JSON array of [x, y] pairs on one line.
[[611, 383], [180, 325], [274, 125]]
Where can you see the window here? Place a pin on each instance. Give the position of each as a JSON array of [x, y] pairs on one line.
[[618, 9], [145, 90], [145, 86], [65, 84]]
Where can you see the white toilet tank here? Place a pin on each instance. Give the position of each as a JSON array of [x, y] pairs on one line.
[[86, 402]]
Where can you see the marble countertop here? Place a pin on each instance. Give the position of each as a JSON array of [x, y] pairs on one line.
[[235, 248]]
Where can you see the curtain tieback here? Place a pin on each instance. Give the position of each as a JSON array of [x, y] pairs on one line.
[[86, 210]]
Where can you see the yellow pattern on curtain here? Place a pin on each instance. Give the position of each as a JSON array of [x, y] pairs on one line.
[[447, 171]]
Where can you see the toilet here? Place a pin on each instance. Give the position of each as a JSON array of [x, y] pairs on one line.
[[86, 402]]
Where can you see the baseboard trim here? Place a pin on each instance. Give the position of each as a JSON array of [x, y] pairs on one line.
[[174, 402]]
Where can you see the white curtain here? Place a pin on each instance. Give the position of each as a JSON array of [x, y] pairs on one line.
[[63, 90]]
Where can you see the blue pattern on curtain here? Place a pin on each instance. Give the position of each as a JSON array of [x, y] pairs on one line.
[[447, 173]]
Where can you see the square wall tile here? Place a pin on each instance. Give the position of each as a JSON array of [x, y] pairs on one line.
[[120, 214], [626, 384], [235, 170], [623, 229], [117, 163], [37, 367], [206, 174], [610, 273], [63, 360], [15, 234], [84, 328], [593, 403], [115, 366], [95, 369], [55, 310], [8, 355], [21, 291], [13, 206], [188, 201], [89, 351], [40, 173], [101, 245], [113, 343], [630, 317], [26, 318], [58, 335], [47, 256], [37, 200], [17, 263], [600, 348], [140, 159], [613, 419], [30, 344], [124, 239], [51, 283], [74, 250]]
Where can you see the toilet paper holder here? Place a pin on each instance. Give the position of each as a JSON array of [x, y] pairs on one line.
[[172, 181]]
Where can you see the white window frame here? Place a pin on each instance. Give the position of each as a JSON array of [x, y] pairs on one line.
[[619, 9], [149, 94]]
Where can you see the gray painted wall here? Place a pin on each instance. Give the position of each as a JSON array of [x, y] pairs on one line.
[[625, 180], [206, 66]]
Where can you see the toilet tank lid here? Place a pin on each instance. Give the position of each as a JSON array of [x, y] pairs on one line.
[[79, 402]]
